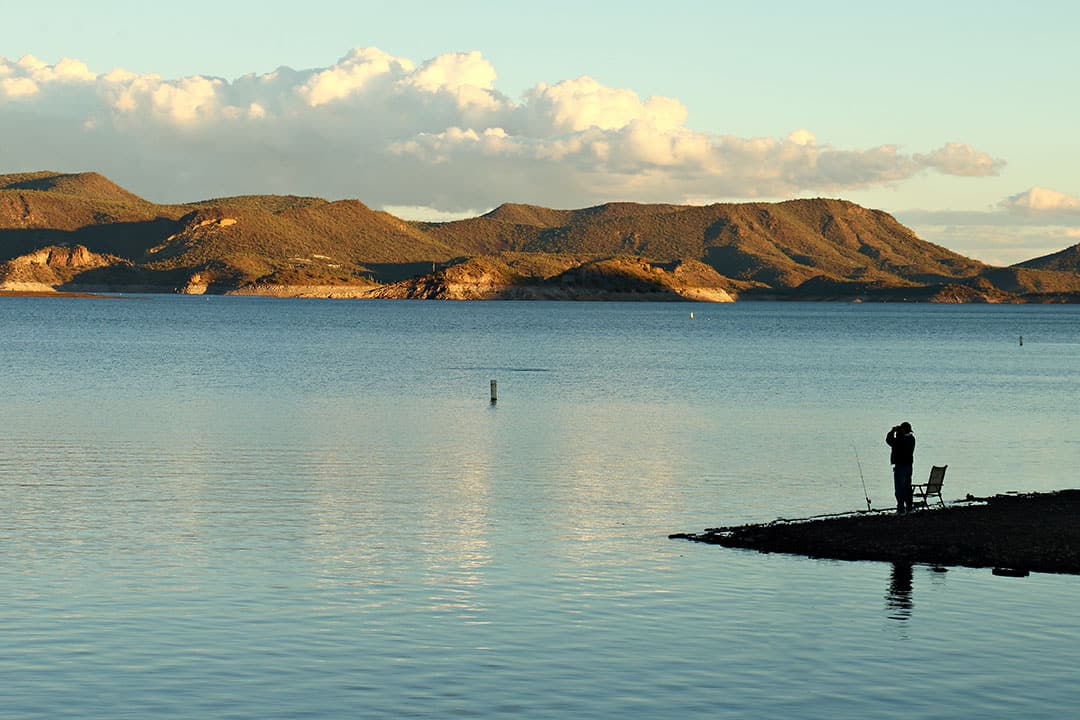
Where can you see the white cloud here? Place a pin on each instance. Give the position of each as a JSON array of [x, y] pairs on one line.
[[960, 159], [31, 63], [581, 104], [435, 134], [802, 137], [1041, 200], [67, 70], [183, 102], [351, 75], [455, 72], [18, 87], [26, 76]]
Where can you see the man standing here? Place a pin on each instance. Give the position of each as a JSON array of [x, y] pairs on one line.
[[902, 442]]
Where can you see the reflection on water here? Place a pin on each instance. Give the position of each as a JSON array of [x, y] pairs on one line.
[[898, 601]]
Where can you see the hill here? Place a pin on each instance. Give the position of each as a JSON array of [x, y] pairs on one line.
[[45, 209], [1067, 260], [81, 185], [283, 244], [781, 244]]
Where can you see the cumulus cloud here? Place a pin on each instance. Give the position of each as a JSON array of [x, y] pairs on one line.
[[580, 104], [14, 87], [960, 159], [434, 134], [351, 75], [1039, 200]]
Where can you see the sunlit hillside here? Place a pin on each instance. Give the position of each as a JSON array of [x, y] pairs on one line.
[[810, 248]]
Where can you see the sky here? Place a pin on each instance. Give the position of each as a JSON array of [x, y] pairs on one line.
[[960, 118]]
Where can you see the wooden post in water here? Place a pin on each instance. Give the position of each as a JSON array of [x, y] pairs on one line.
[[494, 393]]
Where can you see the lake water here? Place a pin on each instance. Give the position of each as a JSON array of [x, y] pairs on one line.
[[256, 508]]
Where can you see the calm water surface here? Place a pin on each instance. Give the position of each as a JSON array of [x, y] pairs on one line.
[[254, 508]]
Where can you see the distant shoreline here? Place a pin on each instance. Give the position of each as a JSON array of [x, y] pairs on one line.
[[584, 293], [526, 294]]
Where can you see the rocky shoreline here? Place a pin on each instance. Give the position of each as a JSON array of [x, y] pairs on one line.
[[1014, 534], [504, 276]]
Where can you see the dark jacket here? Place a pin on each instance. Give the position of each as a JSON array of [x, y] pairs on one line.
[[903, 448]]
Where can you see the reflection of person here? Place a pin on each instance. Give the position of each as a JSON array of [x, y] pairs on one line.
[[902, 442], [899, 597]]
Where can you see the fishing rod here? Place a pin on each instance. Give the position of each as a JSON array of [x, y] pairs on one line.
[[865, 493]]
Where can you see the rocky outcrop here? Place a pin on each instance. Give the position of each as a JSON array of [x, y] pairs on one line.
[[52, 267], [953, 293], [618, 278], [196, 227], [55, 257], [474, 279], [197, 284]]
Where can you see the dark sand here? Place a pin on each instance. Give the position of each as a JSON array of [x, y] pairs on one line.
[[1011, 533]]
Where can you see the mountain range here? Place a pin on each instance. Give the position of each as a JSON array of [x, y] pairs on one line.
[[82, 232]]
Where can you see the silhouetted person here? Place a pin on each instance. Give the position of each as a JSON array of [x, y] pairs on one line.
[[902, 442]]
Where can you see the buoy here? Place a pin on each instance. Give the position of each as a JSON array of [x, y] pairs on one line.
[[691, 315], [1021, 341]]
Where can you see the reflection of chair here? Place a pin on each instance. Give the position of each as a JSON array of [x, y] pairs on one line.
[[932, 486]]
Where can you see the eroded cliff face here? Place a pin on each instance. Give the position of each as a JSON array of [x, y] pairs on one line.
[[52, 267], [58, 257]]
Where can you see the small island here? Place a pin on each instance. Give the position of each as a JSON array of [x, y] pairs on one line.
[[1013, 533]]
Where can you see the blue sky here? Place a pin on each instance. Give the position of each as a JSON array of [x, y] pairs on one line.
[[957, 117]]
